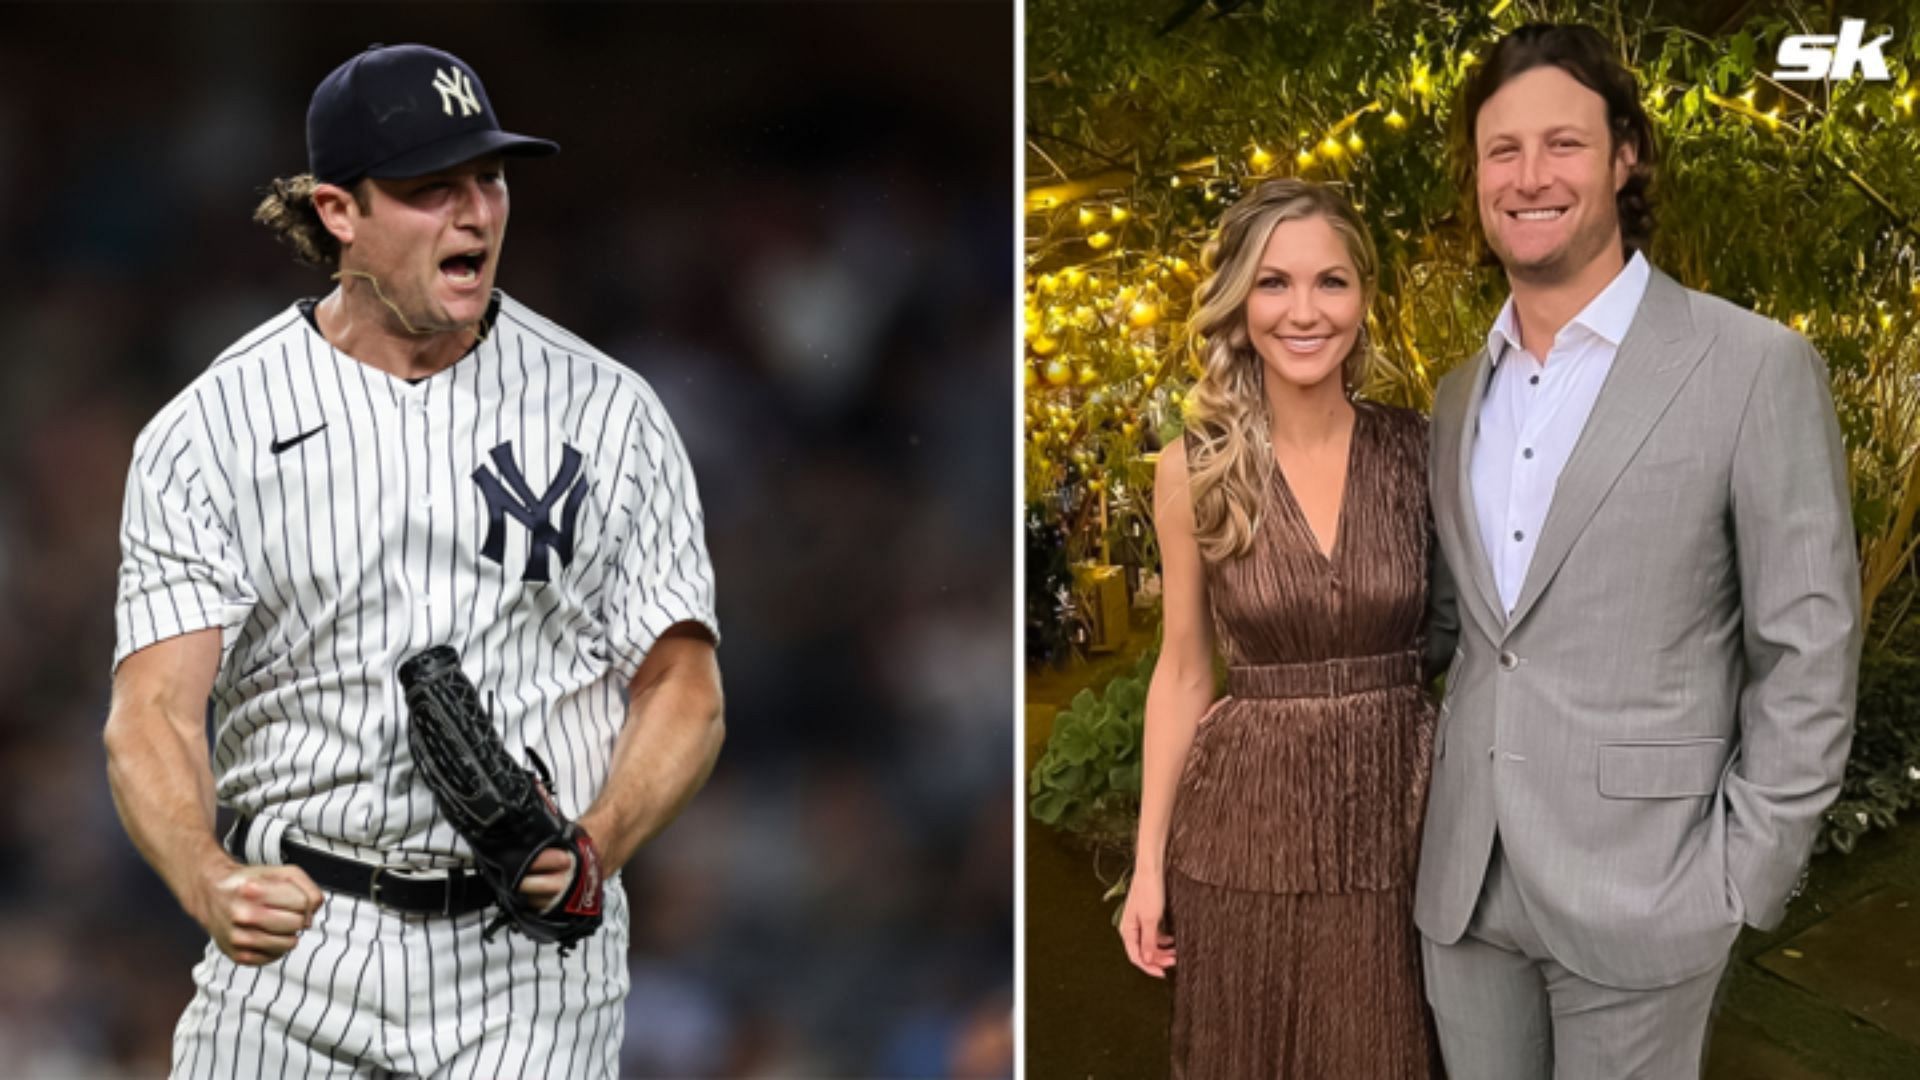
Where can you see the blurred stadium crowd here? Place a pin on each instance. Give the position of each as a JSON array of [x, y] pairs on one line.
[[793, 222]]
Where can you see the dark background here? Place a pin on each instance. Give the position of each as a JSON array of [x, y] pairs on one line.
[[792, 220]]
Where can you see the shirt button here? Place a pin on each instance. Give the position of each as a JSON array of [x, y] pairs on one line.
[[1519, 535], [1508, 661], [1527, 453], [1534, 380]]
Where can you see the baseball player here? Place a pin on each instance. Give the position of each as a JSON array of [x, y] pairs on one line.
[[413, 461]]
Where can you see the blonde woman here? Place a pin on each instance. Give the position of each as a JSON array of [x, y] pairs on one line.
[[1278, 824]]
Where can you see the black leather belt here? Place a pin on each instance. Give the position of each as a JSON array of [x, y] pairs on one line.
[[460, 892]]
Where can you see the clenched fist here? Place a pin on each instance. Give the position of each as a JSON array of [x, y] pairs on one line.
[[255, 913]]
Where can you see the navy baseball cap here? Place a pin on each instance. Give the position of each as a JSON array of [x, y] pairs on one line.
[[397, 111]]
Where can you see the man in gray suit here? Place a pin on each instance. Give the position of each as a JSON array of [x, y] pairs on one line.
[[1640, 493]]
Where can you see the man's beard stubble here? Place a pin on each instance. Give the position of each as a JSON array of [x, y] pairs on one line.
[[425, 328], [1563, 265]]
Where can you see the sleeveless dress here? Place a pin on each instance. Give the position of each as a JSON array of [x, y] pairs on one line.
[[1293, 840]]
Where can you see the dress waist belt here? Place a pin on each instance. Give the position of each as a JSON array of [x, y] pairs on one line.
[[1324, 678]]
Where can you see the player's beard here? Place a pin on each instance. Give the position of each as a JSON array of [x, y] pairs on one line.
[[1564, 263], [420, 328]]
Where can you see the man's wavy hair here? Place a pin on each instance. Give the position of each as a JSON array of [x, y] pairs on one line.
[[287, 210], [1583, 53]]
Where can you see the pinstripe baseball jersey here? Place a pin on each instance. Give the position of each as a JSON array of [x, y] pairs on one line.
[[530, 505]]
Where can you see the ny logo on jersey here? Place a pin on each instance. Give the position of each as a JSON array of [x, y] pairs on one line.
[[508, 495], [454, 85]]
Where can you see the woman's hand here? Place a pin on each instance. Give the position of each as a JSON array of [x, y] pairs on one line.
[[1149, 946]]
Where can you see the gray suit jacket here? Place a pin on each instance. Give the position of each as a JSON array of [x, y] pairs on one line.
[[1657, 727]]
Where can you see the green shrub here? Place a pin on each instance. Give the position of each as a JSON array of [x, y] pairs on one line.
[[1883, 772], [1088, 781]]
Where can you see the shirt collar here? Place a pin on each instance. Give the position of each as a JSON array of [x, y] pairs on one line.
[[1606, 316]]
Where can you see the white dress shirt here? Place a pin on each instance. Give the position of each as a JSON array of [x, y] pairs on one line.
[[1532, 415]]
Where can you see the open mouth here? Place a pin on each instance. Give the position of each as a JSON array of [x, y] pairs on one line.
[[463, 269], [1554, 213]]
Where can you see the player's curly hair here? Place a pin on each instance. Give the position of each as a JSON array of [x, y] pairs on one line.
[[1584, 53], [288, 210]]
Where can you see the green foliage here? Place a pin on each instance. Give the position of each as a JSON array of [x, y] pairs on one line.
[[1055, 626], [1798, 200], [1088, 781], [1883, 773]]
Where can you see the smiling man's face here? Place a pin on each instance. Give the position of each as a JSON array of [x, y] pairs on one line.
[[1547, 174]]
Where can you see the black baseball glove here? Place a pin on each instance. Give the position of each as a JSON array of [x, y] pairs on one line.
[[503, 810]]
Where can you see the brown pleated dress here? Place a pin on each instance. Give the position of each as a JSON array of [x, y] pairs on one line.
[[1291, 854]]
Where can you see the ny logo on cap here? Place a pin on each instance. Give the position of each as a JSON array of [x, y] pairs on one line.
[[454, 85]]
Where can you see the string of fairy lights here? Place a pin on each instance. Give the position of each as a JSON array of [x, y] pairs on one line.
[[1110, 285], [1107, 368]]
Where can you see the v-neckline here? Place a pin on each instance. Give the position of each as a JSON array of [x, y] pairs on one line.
[[1327, 555]]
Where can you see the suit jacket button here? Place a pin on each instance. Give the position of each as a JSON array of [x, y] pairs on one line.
[[1508, 661]]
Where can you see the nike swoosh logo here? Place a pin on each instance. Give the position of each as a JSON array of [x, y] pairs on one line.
[[281, 446]]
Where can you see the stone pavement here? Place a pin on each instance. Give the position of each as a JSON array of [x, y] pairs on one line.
[[1834, 993]]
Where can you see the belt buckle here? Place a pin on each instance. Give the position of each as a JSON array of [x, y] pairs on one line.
[[373, 892], [373, 886]]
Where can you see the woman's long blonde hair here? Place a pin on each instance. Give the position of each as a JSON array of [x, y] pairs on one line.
[[1231, 452]]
